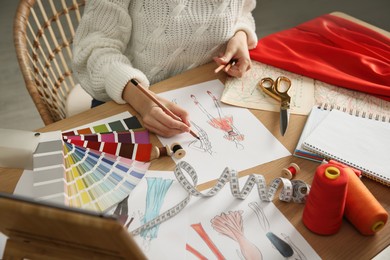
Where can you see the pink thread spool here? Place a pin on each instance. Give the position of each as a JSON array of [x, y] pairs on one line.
[[290, 172]]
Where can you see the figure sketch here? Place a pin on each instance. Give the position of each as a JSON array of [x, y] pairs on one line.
[[198, 227], [286, 249], [221, 122], [203, 144], [155, 196], [231, 225]]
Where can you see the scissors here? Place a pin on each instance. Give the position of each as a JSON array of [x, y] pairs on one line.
[[278, 90]]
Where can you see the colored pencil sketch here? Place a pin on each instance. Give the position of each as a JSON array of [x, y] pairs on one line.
[[157, 189], [204, 143], [218, 227], [220, 121], [231, 224], [229, 135]]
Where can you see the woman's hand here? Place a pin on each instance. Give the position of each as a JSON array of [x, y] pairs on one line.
[[153, 117], [237, 48]]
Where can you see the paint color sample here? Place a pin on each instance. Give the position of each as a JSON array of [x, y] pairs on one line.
[[139, 152], [118, 125], [66, 172], [130, 136], [48, 160], [96, 181]]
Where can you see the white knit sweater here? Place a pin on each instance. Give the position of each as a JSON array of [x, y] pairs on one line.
[[151, 40]]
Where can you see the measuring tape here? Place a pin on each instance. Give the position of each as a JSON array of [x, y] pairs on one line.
[[295, 190]]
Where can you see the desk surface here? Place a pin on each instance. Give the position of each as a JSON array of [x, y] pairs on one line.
[[347, 243]]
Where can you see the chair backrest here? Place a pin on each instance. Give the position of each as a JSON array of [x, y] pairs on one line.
[[43, 35]]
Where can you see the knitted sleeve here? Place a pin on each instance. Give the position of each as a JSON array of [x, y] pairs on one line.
[[101, 39], [246, 23]]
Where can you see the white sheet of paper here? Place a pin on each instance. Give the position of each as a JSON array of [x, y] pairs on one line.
[[170, 237], [249, 222], [249, 143], [174, 234]]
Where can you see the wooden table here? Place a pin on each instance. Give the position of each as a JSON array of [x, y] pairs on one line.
[[348, 243]]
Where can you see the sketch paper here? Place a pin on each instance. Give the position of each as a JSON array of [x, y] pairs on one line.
[[244, 92], [254, 225], [168, 240], [240, 229], [229, 136]]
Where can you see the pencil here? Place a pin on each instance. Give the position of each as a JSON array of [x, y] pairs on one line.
[[164, 108], [231, 63]]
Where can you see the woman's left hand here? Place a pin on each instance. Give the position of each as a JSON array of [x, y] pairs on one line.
[[237, 49]]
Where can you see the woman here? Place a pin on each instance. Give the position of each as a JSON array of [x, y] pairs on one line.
[[149, 41]]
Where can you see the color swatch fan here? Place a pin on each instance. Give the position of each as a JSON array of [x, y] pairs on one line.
[[94, 167]]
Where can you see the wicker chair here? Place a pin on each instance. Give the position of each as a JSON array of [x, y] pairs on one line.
[[43, 34]]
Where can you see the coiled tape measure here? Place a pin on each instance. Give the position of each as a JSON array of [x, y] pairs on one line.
[[292, 190]]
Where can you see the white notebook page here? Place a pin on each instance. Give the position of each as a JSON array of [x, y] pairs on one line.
[[359, 142]]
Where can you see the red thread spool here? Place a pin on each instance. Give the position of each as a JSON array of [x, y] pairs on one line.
[[164, 151], [324, 208], [362, 209], [291, 171]]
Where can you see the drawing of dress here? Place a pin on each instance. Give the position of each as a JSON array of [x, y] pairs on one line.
[[224, 123], [231, 225], [203, 144], [286, 249], [157, 190]]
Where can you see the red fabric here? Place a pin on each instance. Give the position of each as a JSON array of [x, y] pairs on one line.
[[333, 50]]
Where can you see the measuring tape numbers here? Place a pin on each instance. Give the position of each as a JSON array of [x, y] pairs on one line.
[[292, 190]]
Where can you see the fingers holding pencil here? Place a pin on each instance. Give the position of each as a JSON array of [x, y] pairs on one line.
[[161, 116], [226, 67], [162, 124]]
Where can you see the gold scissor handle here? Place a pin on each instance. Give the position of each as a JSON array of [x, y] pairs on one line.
[[282, 86], [277, 89], [267, 85]]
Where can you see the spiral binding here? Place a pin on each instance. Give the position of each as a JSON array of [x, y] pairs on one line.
[[295, 190], [366, 172], [355, 112]]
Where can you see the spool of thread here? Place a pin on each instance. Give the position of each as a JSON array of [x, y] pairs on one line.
[[362, 209], [290, 172], [324, 208], [178, 151], [356, 171], [175, 150]]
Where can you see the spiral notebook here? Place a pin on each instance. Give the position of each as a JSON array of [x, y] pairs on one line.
[[360, 141]]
